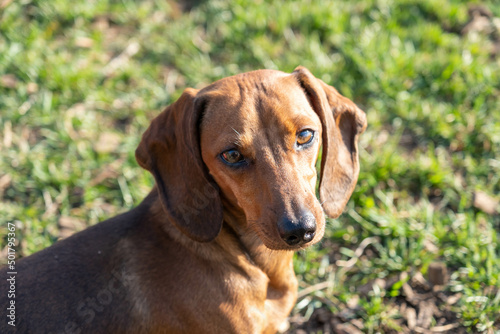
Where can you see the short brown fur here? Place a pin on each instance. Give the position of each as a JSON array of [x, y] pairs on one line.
[[203, 252]]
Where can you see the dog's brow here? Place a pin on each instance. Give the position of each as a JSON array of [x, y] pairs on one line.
[[236, 131], [238, 140], [302, 120]]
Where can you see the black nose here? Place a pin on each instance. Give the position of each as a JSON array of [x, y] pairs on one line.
[[297, 232]]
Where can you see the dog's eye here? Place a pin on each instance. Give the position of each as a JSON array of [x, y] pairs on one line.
[[305, 137], [232, 157]]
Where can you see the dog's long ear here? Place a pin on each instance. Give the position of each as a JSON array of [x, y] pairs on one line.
[[170, 150], [343, 122]]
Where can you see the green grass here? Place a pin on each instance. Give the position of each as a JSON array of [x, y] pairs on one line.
[[79, 83]]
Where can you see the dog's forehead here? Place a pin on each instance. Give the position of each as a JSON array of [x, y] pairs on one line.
[[263, 98], [252, 78]]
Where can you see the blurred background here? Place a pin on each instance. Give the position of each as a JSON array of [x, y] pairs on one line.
[[417, 248]]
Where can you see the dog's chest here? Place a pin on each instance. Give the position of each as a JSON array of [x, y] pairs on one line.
[[215, 297]]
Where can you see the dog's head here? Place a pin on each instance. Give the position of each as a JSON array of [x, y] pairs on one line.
[[251, 141]]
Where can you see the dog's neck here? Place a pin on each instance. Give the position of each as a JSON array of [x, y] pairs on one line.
[[277, 265], [273, 262]]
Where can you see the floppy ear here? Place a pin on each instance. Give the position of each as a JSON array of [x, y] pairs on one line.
[[343, 122], [170, 150]]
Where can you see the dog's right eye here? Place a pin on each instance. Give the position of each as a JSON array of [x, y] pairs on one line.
[[232, 157], [305, 137]]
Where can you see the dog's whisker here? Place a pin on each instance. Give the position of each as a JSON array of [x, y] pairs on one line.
[[236, 131]]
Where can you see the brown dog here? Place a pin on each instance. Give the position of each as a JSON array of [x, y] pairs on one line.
[[210, 248]]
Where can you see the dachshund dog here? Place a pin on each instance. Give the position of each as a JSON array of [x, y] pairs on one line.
[[210, 249]]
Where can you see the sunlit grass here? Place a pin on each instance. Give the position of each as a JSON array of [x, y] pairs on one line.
[[79, 83]]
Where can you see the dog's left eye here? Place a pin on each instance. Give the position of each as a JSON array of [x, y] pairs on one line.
[[305, 137], [232, 157]]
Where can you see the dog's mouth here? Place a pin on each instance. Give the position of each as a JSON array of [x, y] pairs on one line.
[[303, 239], [299, 240], [282, 246]]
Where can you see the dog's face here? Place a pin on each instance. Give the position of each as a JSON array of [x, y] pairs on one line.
[[260, 139], [249, 144]]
